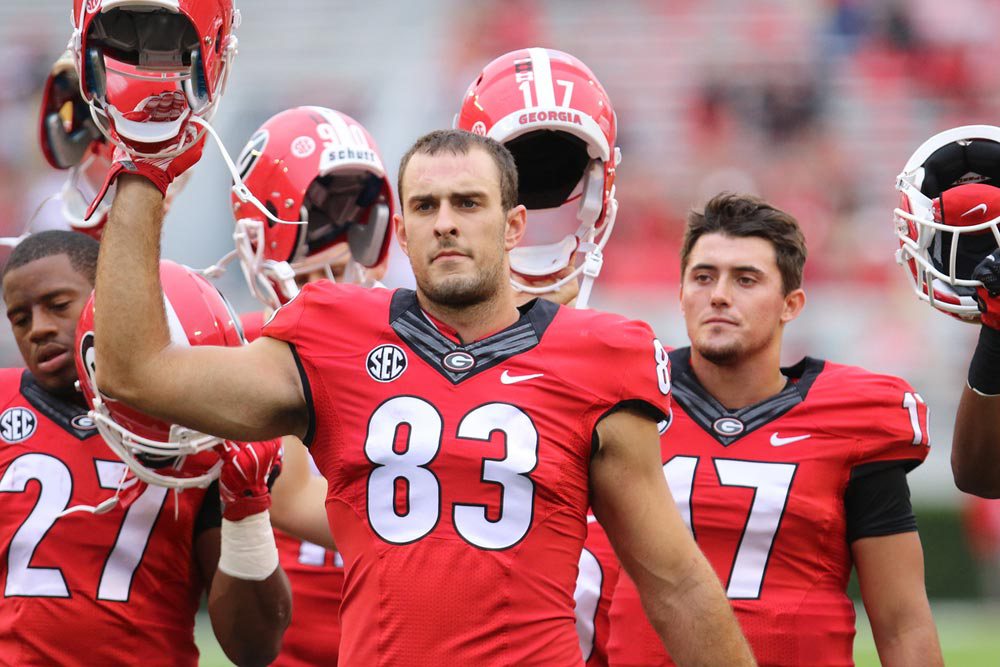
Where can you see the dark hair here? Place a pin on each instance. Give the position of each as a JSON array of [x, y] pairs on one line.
[[460, 142], [79, 248], [742, 215]]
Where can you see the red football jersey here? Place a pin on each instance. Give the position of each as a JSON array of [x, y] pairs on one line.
[[119, 588], [316, 576], [763, 490], [458, 474], [595, 585]]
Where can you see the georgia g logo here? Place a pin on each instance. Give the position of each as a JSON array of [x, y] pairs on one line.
[[386, 363], [17, 424]]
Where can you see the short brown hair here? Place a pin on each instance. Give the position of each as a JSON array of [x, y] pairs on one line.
[[742, 215], [460, 142]]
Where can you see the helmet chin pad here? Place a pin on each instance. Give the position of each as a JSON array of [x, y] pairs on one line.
[[157, 39], [946, 168], [538, 261], [148, 132], [550, 164]]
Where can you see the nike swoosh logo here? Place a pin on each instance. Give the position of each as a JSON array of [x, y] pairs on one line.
[[974, 209], [507, 378], [777, 441]]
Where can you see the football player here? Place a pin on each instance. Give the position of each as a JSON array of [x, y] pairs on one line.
[[947, 227], [566, 154], [460, 437], [322, 170], [123, 586], [787, 477]]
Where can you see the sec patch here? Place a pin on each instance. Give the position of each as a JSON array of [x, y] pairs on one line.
[[17, 424]]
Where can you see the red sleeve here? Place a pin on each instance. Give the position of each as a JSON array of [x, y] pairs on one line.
[[313, 325], [895, 428], [283, 323], [643, 368], [286, 324]]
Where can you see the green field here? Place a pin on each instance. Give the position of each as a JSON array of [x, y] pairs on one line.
[[970, 637]]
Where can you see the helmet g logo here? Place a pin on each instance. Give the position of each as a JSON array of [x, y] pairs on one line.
[[386, 363]]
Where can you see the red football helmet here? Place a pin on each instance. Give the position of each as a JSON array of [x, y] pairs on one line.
[[321, 171], [180, 46], [158, 452], [948, 216], [554, 116]]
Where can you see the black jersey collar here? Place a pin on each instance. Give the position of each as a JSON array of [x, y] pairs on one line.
[[728, 426], [70, 417], [459, 362]]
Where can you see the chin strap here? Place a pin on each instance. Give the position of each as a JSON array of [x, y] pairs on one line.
[[131, 486], [590, 269]]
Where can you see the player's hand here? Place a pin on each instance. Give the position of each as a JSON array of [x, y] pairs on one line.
[[565, 295], [248, 470], [988, 295]]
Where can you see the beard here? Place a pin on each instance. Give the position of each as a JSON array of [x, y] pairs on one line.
[[725, 354], [463, 291], [730, 352]]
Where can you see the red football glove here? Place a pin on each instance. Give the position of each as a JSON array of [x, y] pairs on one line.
[[248, 470], [988, 296]]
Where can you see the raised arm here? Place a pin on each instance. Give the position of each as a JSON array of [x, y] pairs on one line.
[[975, 449], [679, 590], [246, 393]]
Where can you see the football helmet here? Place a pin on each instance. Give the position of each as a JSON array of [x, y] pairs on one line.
[[555, 117], [948, 215], [158, 452], [320, 170], [180, 46]]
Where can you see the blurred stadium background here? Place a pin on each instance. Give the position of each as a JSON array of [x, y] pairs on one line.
[[813, 104]]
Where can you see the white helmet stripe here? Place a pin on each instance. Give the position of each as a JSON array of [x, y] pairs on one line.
[[341, 128], [542, 69], [177, 334]]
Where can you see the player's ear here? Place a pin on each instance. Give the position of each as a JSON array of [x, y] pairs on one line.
[[795, 301], [517, 221], [397, 220]]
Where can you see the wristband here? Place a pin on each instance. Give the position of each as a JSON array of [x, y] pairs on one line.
[[984, 369], [248, 550]]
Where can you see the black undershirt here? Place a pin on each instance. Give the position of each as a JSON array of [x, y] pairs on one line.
[[877, 501]]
